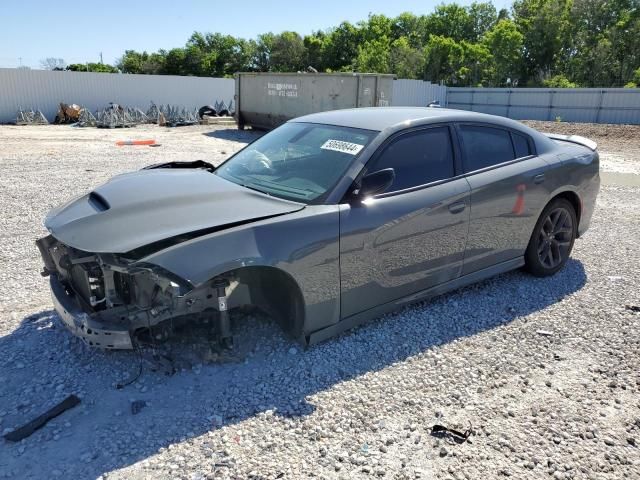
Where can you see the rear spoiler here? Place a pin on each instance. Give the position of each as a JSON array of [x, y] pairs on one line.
[[577, 139]]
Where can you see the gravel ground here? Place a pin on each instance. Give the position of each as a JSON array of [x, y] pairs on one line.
[[544, 371]]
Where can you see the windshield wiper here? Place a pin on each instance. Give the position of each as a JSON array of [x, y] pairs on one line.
[[246, 185]]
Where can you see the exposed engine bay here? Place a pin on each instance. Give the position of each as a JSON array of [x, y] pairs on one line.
[[113, 302]]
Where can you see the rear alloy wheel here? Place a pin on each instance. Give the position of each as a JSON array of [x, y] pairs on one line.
[[552, 239]]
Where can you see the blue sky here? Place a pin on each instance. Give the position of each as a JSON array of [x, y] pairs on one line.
[[78, 31]]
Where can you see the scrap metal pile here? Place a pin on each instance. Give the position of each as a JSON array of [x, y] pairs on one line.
[[115, 116], [86, 118], [74, 114], [171, 115], [30, 117], [67, 113], [119, 116]]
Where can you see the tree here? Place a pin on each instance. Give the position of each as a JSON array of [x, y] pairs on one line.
[[262, 55], [92, 67], [374, 56], [131, 61], [625, 42], [51, 63], [314, 44], [341, 47], [505, 43], [135, 62], [604, 47], [222, 54], [376, 27], [174, 62], [443, 58], [451, 21], [475, 66], [558, 81], [483, 17], [544, 25], [413, 28], [154, 63], [585, 42], [288, 53], [405, 60]]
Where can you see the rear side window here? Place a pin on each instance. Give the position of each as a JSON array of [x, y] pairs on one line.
[[417, 158], [521, 145], [485, 147]]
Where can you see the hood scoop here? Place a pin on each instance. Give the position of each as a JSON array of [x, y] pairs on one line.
[[98, 202]]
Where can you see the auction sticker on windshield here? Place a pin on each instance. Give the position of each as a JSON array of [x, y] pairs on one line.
[[342, 147]]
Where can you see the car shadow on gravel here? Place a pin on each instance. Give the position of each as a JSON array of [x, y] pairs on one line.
[[41, 363], [235, 135]]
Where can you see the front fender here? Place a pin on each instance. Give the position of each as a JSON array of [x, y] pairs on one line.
[[304, 244]]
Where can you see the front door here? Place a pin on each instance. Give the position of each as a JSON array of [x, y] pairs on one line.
[[411, 237]]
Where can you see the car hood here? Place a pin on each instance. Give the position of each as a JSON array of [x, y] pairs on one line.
[[141, 208]]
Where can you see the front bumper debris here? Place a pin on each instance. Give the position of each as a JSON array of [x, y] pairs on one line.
[[84, 326], [114, 303]]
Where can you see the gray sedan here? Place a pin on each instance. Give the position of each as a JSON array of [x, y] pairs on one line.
[[330, 220]]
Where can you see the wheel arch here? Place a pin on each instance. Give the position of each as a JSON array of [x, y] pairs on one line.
[[274, 291], [574, 199]]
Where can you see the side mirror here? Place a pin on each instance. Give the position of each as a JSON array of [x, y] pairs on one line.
[[376, 182]]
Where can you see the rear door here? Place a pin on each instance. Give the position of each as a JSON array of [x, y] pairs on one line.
[[508, 191], [411, 237]]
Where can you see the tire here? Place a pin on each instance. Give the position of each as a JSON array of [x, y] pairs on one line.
[[206, 110], [552, 239]]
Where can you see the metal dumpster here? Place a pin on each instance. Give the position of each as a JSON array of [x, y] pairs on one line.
[[266, 100]]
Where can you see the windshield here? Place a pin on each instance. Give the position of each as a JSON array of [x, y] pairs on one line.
[[297, 161]]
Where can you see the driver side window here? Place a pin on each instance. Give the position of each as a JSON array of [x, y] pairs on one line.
[[418, 158]]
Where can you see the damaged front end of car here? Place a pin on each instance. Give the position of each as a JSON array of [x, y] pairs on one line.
[[114, 302]]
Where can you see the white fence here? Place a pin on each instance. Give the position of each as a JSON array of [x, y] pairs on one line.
[[416, 93], [596, 105], [44, 90]]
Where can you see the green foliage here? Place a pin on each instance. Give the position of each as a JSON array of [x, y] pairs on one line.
[[476, 64], [314, 45], [91, 67], [505, 42], [483, 17], [405, 60], [288, 53], [341, 47], [451, 21], [544, 42], [134, 62], [545, 27], [374, 56], [558, 81], [443, 58]]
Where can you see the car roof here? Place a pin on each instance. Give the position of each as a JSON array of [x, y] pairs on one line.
[[396, 118]]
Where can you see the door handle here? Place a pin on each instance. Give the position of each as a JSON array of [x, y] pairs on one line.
[[457, 207], [538, 178]]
